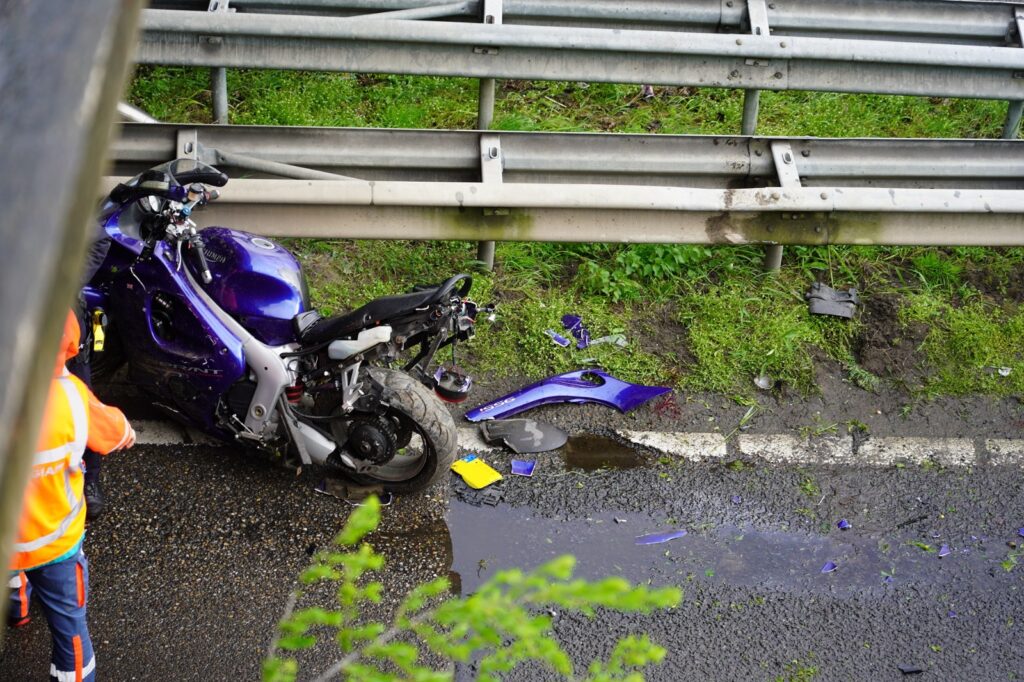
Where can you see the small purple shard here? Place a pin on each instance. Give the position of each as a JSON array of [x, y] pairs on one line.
[[1020, 532], [944, 551], [829, 567], [658, 538], [523, 467], [736, 499], [557, 338], [951, 614], [888, 580], [584, 338], [571, 322], [843, 524], [936, 536]]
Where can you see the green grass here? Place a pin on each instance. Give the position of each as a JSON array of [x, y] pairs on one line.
[[698, 318]]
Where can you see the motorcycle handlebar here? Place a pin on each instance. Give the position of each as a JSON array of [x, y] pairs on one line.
[[204, 266]]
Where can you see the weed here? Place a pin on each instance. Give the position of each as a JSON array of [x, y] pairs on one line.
[[799, 670], [809, 487], [818, 428], [737, 465], [923, 546]]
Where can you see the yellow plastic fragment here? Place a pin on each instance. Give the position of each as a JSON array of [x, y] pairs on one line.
[[475, 472]]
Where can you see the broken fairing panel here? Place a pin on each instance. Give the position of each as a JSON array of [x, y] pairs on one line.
[[524, 435], [581, 386]]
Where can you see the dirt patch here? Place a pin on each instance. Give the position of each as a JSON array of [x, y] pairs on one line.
[[885, 347], [663, 335], [999, 286]]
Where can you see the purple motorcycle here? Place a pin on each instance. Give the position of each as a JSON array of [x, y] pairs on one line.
[[216, 326]]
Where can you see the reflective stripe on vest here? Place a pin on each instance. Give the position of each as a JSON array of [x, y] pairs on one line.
[[73, 451]]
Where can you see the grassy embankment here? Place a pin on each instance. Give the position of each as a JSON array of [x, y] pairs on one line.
[[699, 318]]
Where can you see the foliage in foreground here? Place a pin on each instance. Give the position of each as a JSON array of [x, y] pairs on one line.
[[498, 627]]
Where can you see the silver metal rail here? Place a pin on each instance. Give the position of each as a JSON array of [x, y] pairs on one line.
[[588, 187], [772, 62]]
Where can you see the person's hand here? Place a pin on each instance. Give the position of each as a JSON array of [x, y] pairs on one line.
[[131, 438]]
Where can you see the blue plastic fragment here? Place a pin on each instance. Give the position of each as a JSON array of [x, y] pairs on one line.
[[829, 567], [888, 579], [658, 538], [944, 551], [951, 614], [736, 499], [523, 467], [557, 338], [1021, 532], [843, 524]]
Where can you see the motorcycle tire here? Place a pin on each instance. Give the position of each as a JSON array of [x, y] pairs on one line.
[[413, 404]]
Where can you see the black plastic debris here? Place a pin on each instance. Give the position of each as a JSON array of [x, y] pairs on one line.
[[824, 300], [910, 669], [350, 492], [524, 436], [489, 496]]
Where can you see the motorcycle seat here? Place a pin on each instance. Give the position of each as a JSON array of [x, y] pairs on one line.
[[311, 328]]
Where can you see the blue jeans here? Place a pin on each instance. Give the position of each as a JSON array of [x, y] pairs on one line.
[[62, 590]]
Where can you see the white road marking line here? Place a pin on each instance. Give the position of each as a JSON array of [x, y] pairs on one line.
[[787, 449], [695, 447], [945, 451], [701, 447], [1003, 451]]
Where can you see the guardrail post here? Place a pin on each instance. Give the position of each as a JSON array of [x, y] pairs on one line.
[[789, 176], [492, 11], [1016, 108], [757, 13], [219, 75]]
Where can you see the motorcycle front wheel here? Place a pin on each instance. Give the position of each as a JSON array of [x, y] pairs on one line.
[[416, 426]]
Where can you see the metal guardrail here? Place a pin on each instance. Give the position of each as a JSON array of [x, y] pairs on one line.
[[620, 188], [969, 66]]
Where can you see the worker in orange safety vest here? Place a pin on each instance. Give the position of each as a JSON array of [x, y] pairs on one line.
[[48, 561]]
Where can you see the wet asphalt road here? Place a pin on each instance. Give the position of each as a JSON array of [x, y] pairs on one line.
[[200, 547]]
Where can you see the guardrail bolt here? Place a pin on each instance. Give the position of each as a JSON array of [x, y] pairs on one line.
[[778, 74], [782, 44], [787, 158], [805, 153], [739, 41], [824, 195], [771, 6]]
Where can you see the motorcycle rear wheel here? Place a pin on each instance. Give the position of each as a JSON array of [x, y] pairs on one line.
[[430, 450]]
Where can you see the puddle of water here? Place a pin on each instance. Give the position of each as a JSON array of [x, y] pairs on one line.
[[488, 539], [596, 452]]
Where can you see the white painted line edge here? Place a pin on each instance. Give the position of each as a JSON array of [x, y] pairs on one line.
[[702, 447]]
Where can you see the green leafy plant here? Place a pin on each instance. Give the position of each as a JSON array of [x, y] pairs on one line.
[[503, 624]]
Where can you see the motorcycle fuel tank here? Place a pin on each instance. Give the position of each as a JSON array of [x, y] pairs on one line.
[[256, 281]]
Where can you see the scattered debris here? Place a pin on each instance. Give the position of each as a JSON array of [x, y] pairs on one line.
[[524, 436], [824, 300], [352, 494], [1005, 371], [951, 614], [614, 339], [1020, 532], [910, 669], [658, 538], [618, 520], [737, 499], [574, 325], [580, 386], [489, 496], [557, 338], [944, 551], [475, 472], [523, 467], [764, 382], [829, 567], [843, 524]]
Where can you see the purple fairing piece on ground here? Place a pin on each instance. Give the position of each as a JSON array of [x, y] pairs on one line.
[[581, 386], [574, 325], [829, 567], [557, 338]]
